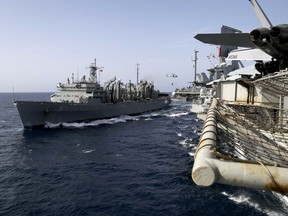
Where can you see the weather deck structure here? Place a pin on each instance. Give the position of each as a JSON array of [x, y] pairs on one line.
[[246, 144]]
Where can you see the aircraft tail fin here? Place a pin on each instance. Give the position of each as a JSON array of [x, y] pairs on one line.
[[265, 22], [224, 50]]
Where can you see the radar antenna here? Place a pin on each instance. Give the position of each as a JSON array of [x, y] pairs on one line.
[[93, 72]]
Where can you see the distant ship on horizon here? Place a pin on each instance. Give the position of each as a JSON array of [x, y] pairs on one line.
[[200, 92]]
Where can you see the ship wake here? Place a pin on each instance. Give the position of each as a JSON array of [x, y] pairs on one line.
[[166, 113]]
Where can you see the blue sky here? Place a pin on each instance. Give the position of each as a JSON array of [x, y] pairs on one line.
[[42, 42]]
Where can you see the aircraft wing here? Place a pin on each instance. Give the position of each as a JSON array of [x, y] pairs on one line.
[[233, 39], [248, 54]]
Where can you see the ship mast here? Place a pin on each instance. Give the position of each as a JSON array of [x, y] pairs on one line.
[[137, 70], [195, 65], [93, 72]]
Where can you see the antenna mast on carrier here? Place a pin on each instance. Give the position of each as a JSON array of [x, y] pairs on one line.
[[195, 66]]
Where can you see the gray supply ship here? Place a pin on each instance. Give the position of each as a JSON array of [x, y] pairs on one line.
[[86, 100]]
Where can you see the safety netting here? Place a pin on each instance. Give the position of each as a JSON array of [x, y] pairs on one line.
[[255, 133], [252, 134]]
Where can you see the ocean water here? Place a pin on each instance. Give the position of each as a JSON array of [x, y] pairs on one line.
[[130, 165]]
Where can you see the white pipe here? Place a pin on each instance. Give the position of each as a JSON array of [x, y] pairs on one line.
[[208, 170], [203, 172], [251, 175]]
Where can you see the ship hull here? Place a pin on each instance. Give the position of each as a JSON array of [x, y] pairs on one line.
[[38, 114]]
